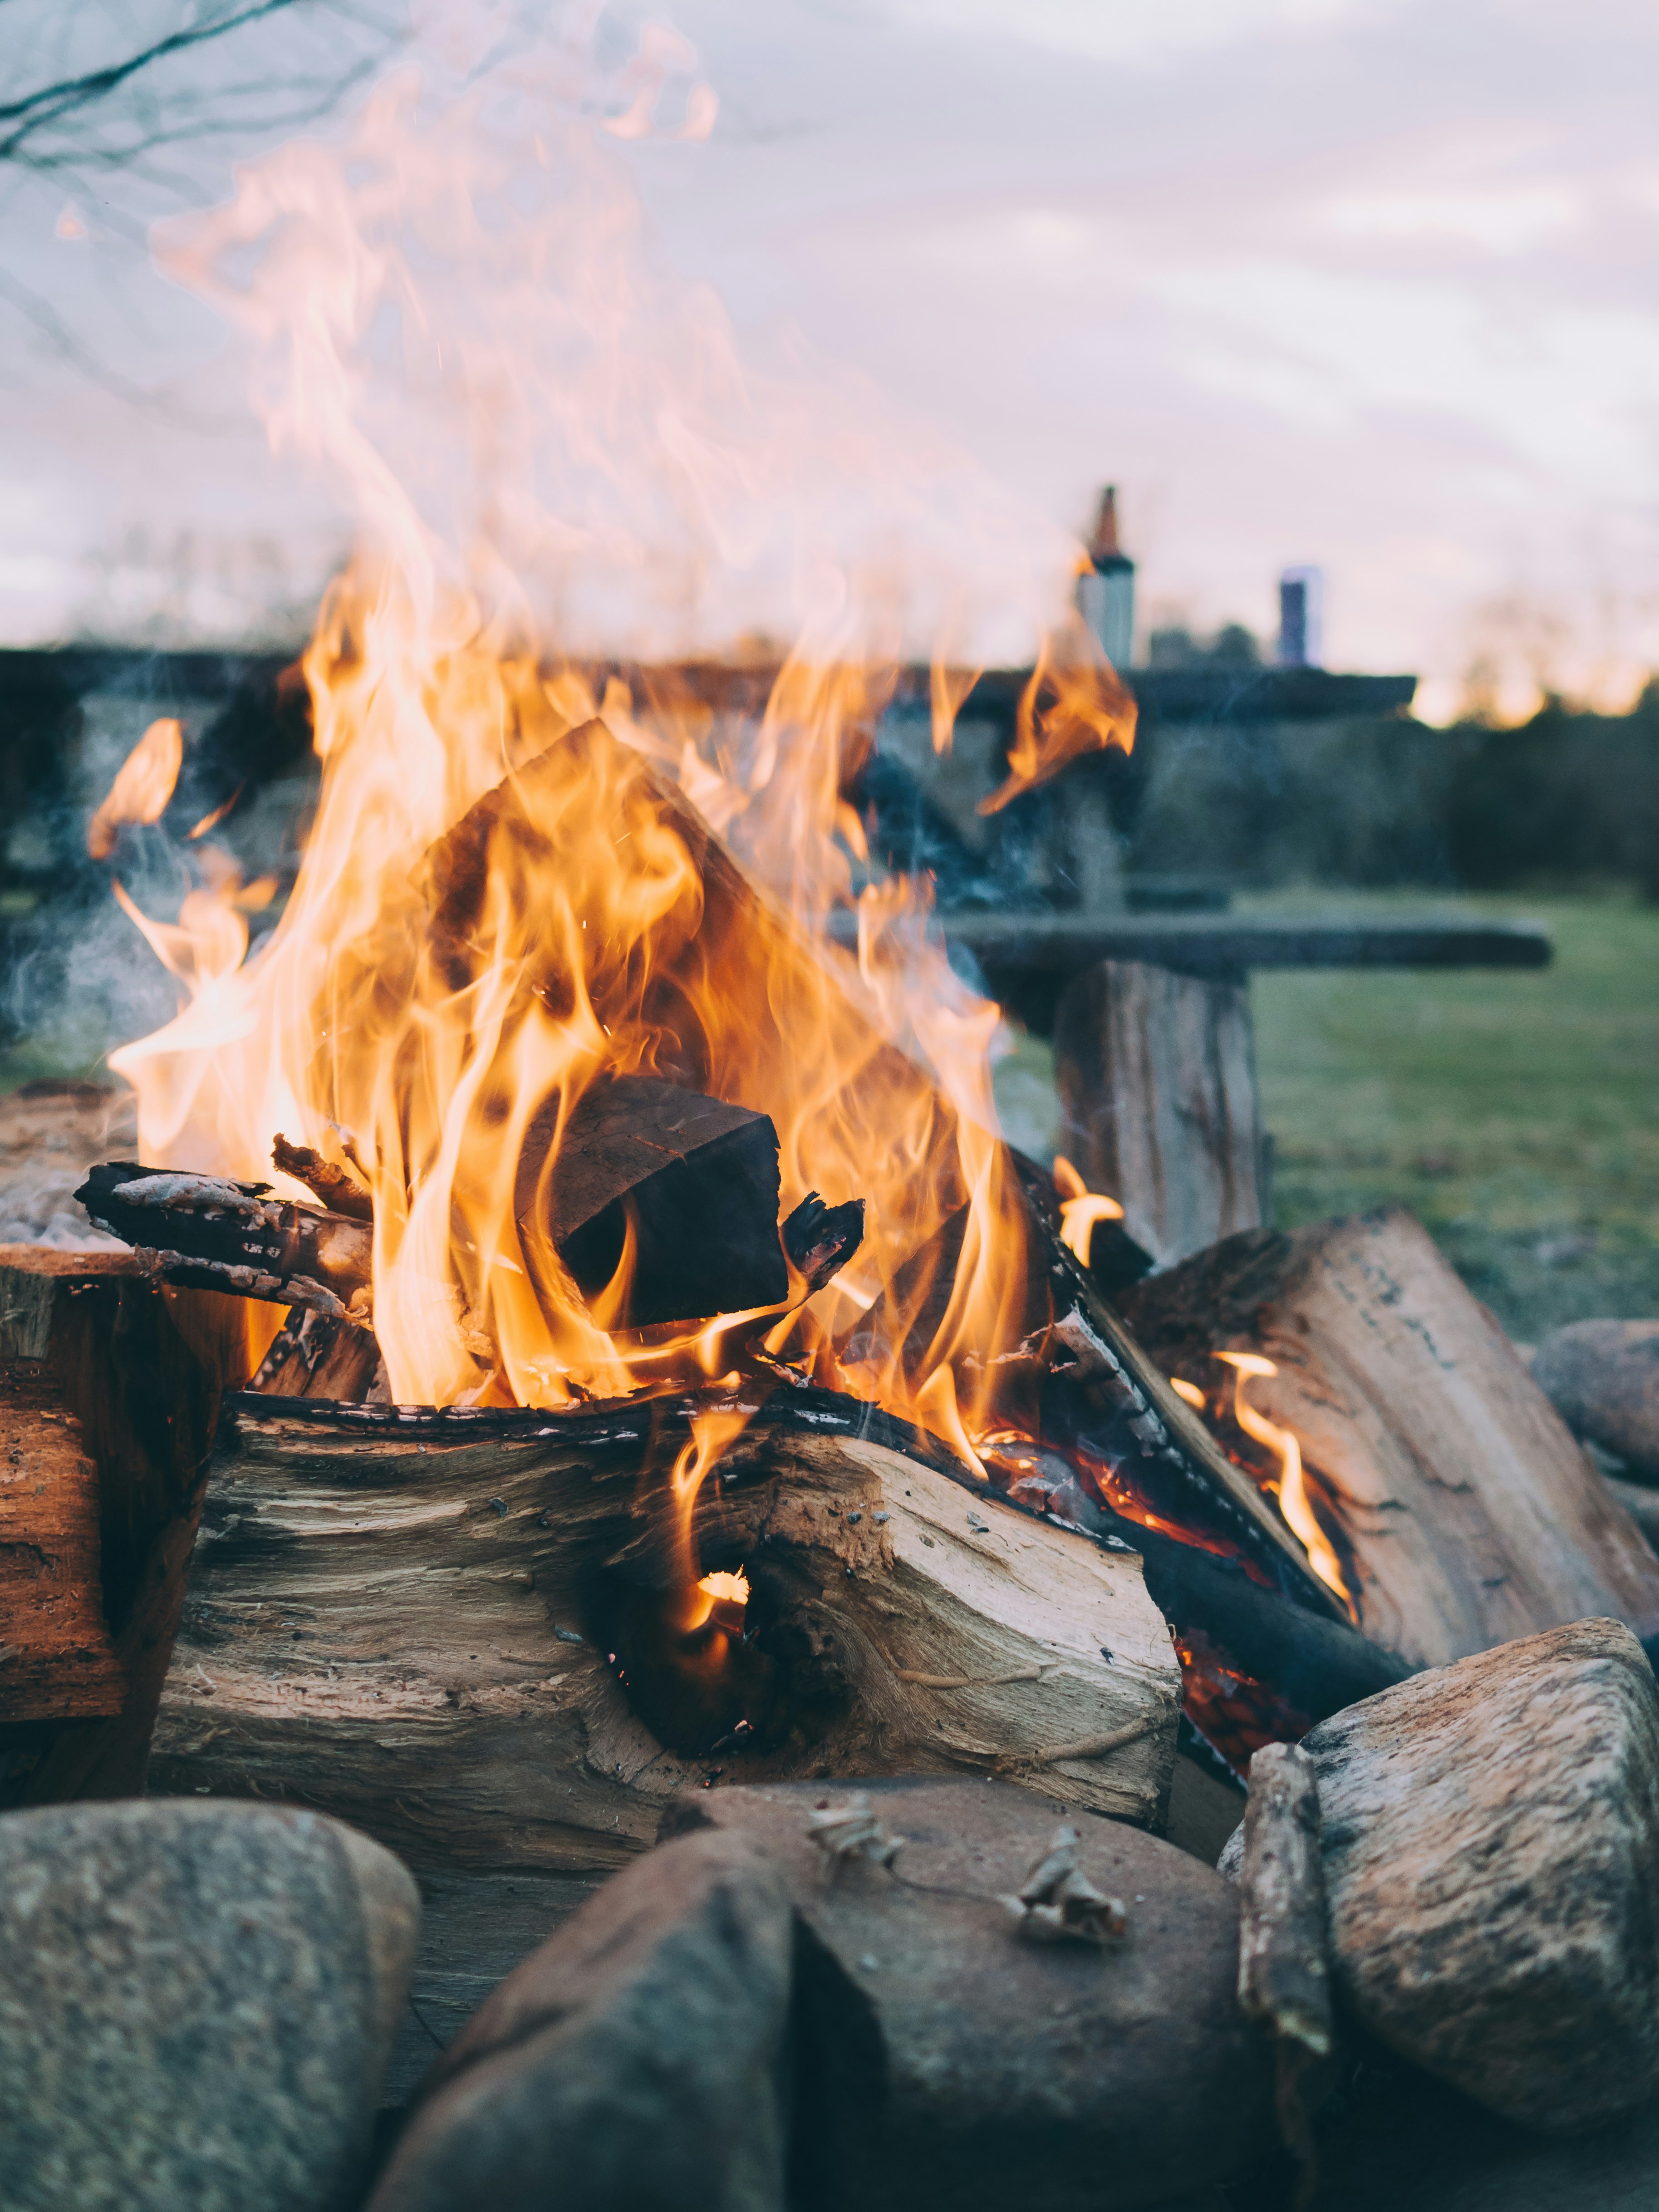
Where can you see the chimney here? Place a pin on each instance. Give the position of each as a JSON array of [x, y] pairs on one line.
[[1106, 590], [1301, 619]]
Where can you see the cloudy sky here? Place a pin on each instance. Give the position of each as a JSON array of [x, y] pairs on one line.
[[1365, 282]]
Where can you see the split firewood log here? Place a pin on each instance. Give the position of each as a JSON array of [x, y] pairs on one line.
[[1463, 1511], [109, 1392], [475, 1634]]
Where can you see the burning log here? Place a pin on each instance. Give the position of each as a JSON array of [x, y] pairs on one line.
[[1463, 1513], [694, 1179], [1156, 1078], [1100, 1441], [334, 1187], [481, 1636]]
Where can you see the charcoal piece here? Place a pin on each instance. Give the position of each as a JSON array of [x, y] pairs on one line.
[[315, 1355], [821, 1239], [697, 1179]]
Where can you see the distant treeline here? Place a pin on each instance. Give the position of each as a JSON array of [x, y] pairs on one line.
[[1565, 798]]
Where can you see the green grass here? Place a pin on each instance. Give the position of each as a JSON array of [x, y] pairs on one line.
[[1517, 1114]]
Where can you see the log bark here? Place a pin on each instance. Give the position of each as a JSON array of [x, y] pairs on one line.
[[407, 1620], [135, 1374], [57, 1658], [1284, 1970], [1463, 1511], [1156, 1072]]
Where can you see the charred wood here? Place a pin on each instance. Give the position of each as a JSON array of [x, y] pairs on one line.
[[212, 1234], [314, 1355], [694, 1179], [334, 1187]]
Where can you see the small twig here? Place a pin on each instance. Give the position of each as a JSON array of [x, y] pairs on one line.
[[969, 1681], [1084, 1747]]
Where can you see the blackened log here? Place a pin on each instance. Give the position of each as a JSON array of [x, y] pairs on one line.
[[696, 1178], [212, 1234]]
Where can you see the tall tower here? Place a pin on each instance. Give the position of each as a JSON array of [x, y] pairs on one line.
[[1106, 590], [1301, 619]]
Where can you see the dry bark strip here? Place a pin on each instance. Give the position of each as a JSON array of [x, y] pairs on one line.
[[1468, 1512], [405, 1620]]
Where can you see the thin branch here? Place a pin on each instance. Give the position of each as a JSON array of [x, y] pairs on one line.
[[49, 103]]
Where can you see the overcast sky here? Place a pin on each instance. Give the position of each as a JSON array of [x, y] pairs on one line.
[[1365, 282]]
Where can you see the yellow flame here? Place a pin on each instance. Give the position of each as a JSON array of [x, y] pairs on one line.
[[1189, 1391], [1292, 1487]]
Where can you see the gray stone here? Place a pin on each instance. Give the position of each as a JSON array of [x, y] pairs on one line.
[[1602, 1377], [636, 2061], [195, 2004], [1490, 1838], [945, 2062]]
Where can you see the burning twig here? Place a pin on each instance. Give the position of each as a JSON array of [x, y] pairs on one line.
[[336, 1188], [1058, 1903]]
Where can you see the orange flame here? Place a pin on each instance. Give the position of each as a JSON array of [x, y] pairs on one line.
[[1081, 1208], [1292, 1486], [143, 786], [510, 889]]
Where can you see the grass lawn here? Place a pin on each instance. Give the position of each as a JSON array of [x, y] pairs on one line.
[[1517, 1115]]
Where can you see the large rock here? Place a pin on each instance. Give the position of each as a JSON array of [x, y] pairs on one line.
[[946, 2062], [1602, 1377], [1491, 1844], [195, 2004], [636, 2062]]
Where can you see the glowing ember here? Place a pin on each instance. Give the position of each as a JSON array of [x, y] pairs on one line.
[[732, 1588]]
